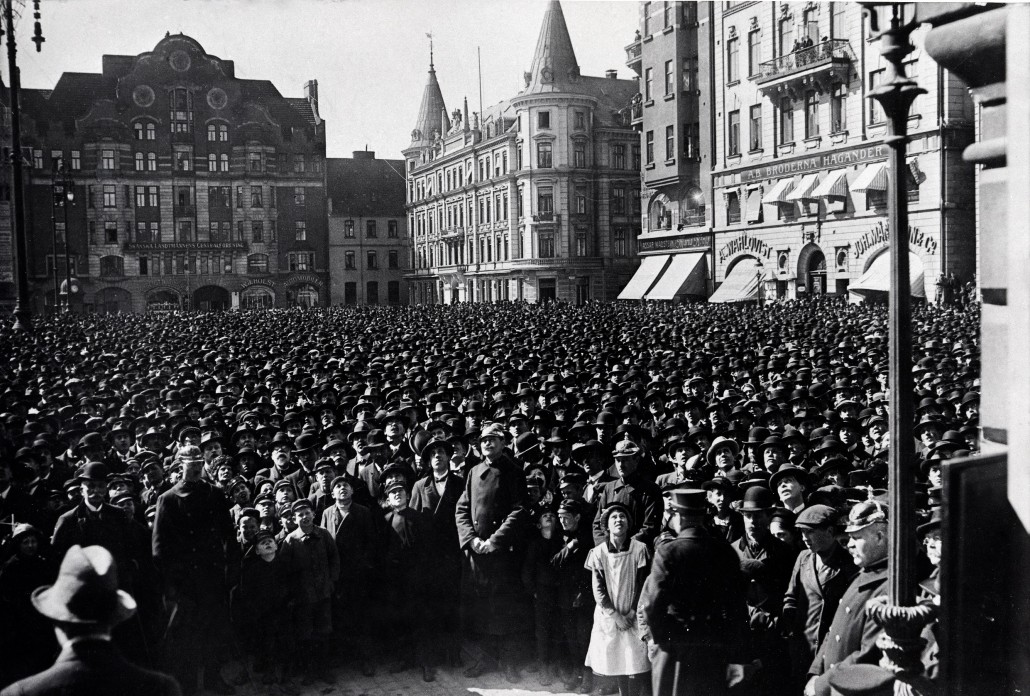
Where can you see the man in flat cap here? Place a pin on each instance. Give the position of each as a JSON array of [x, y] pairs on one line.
[[84, 605], [641, 496], [820, 577], [692, 606], [851, 638]]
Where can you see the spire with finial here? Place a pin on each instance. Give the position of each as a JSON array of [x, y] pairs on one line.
[[465, 116], [429, 120], [554, 67]]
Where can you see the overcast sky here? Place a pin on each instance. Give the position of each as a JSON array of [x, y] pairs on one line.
[[370, 57]]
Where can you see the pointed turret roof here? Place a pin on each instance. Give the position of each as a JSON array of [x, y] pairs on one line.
[[554, 67], [429, 113]]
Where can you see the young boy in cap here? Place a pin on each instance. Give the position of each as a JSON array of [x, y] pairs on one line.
[[541, 581], [575, 598], [259, 604], [310, 556]]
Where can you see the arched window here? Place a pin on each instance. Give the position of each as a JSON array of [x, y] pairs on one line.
[[212, 162], [212, 133], [138, 130], [257, 297], [139, 161], [223, 162], [151, 161], [223, 133], [307, 296], [151, 131], [257, 263], [112, 266]]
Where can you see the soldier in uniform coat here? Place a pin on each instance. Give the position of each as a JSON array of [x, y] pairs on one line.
[[692, 606], [191, 530], [491, 526], [851, 638]]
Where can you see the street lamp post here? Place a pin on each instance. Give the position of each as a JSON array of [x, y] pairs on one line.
[[53, 235], [69, 198], [22, 312]]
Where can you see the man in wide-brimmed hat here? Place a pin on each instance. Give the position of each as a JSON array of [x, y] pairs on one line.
[[84, 604]]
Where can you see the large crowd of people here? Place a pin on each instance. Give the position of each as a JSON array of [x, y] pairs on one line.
[[611, 496]]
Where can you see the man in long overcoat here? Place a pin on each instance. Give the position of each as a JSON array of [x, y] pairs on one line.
[[491, 523]]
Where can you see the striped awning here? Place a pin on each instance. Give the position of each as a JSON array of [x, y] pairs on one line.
[[804, 190], [684, 276], [647, 273], [741, 284], [877, 278], [873, 178], [778, 193], [835, 184]]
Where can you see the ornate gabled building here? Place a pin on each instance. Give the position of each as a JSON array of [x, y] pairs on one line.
[[536, 198], [191, 187]]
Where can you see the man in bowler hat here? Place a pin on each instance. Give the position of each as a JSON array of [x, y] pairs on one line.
[[84, 605]]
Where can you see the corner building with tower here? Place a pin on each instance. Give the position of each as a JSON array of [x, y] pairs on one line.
[[537, 197]]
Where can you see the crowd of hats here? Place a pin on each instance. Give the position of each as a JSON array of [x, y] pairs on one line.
[[806, 379]]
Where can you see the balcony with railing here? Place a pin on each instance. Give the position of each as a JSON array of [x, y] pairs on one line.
[[547, 218], [823, 56], [633, 52], [636, 114]]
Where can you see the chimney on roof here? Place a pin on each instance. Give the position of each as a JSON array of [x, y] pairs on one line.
[[611, 74], [311, 93], [364, 154]]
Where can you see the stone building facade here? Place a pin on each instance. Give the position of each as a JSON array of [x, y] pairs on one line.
[[537, 198], [368, 235], [799, 174], [191, 187]]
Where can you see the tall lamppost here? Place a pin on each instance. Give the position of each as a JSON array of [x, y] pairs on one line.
[[71, 284], [53, 235], [901, 619], [22, 312]]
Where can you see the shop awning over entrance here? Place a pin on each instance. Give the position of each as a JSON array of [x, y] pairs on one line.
[[872, 178], [877, 277], [646, 275], [684, 276], [741, 285], [778, 193]]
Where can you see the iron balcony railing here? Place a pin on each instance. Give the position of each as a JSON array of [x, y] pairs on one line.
[[829, 52]]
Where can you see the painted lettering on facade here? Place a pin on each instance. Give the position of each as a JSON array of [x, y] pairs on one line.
[[699, 241], [880, 234], [745, 243], [830, 160]]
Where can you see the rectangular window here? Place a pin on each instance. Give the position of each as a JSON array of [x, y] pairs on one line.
[[755, 133], [301, 230], [650, 147], [580, 121], [581, 201], [144, 266], [183, 160], [298, 164], [837, 27], [545, 201], [141, 196], [348, 229], [239, 197], [543, 119], [670, 143], [811, 114], [76, 160], [109, 196], [690, 74], [648, 83], [107, 159], [786, 120], [636, 157], [254, 160], [667, 11], [811, 26], [543, 154], [618, 200], [391, 259], [733, 133], [255, 197], [875, 110], [547, 246], [110, 232], [392, 229], [372, 260], [621, 242], [257, 263], [257, 230], [647, 19], [670, 78], [786, 35], [301, 261], [579, 155], [581, 243], [732, 59], [370, 229], [299, 196], [839, 107], [618, 156], [185, 231], [754, 52], [348, 260]]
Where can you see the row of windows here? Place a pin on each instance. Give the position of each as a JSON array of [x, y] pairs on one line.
[[371, 260], [216, 162], [393, 292], [218, 196], [691, 142], [453, 254], [371, 229], [661, 15], [785, 110], [688, 78], [149, 231]]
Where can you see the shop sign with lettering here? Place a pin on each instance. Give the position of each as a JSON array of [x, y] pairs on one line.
[[696, 241], [307, 278], [804, 165], [745, 243], [880, 234], [260, 281]]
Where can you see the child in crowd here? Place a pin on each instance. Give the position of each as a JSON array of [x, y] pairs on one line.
[[541, 582], [619, 567]]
